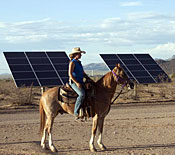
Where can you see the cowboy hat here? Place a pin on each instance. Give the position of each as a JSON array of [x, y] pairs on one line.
[[77, 50]]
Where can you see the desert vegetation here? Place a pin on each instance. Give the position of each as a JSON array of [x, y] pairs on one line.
[[13, 97], [28, 97]]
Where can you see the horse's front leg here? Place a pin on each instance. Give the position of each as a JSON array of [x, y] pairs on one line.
[[100, 130], [49, 124], [94, 129]]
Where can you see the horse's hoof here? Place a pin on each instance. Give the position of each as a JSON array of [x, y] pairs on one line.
[[43, 146], [93, 149], [103, 148], [53, 149]]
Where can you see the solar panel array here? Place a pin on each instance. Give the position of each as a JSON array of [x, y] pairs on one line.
[[140, 68], [38, 68]]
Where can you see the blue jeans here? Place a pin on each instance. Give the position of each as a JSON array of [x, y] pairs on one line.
[[80, 98]]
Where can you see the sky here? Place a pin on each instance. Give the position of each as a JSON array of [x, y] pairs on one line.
[[96, 26]]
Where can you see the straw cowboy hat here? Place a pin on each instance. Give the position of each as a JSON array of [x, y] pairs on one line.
[[76, 50]]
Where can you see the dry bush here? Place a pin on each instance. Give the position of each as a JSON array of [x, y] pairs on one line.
[[9, 94], [22, 97], [162, 92], [172, 76], [159, 92], [6, 86]]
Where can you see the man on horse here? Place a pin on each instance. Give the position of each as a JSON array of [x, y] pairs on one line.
[[76, 75]]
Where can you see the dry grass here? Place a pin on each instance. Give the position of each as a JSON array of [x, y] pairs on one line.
[[152, 93], [10, 96]]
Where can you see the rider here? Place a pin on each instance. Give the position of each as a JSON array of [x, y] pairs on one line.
[[76, 75]]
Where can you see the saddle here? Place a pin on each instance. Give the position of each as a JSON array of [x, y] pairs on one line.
[[69, 96]]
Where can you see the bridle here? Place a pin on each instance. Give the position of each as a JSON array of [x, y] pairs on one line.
[[118, 77]]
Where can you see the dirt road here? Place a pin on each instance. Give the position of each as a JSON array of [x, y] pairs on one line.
[[128, 130]]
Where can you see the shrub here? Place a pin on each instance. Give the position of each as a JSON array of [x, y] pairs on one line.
[[16, 96]]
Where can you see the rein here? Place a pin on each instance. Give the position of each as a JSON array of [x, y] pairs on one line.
[[118, 77]]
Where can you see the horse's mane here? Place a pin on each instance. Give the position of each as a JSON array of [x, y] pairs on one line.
[[105, 80]]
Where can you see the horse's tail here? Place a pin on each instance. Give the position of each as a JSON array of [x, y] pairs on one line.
[[42, 118]]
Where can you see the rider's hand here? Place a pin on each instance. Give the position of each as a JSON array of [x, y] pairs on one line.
[[89, 80], [79, 85]]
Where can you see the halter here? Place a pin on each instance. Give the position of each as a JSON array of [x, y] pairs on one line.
[[118, 77]]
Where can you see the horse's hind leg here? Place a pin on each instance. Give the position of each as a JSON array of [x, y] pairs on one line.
[[49, 124], [43, 140], [100, 130]]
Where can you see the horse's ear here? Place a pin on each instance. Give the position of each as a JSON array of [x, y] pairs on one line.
[[117, 65]]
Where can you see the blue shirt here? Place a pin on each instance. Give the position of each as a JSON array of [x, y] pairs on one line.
[[78, 71]]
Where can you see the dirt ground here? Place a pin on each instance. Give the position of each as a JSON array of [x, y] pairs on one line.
[[128, 130]]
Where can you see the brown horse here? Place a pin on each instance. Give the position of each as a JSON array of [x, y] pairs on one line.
[[104, 92]]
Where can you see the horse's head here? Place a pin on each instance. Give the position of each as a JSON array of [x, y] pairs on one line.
[[121, 78]]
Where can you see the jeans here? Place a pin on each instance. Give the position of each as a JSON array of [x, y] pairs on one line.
[[80, 98]]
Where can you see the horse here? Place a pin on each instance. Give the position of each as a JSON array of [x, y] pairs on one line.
[[104, 90]]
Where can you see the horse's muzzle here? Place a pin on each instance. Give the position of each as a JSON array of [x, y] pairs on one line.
[[130, 85]]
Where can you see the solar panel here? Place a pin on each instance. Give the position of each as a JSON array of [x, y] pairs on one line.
[[140, 68], [38, 68]]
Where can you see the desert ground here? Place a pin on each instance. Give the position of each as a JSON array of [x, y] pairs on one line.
[[128, 130], [141, 123]]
